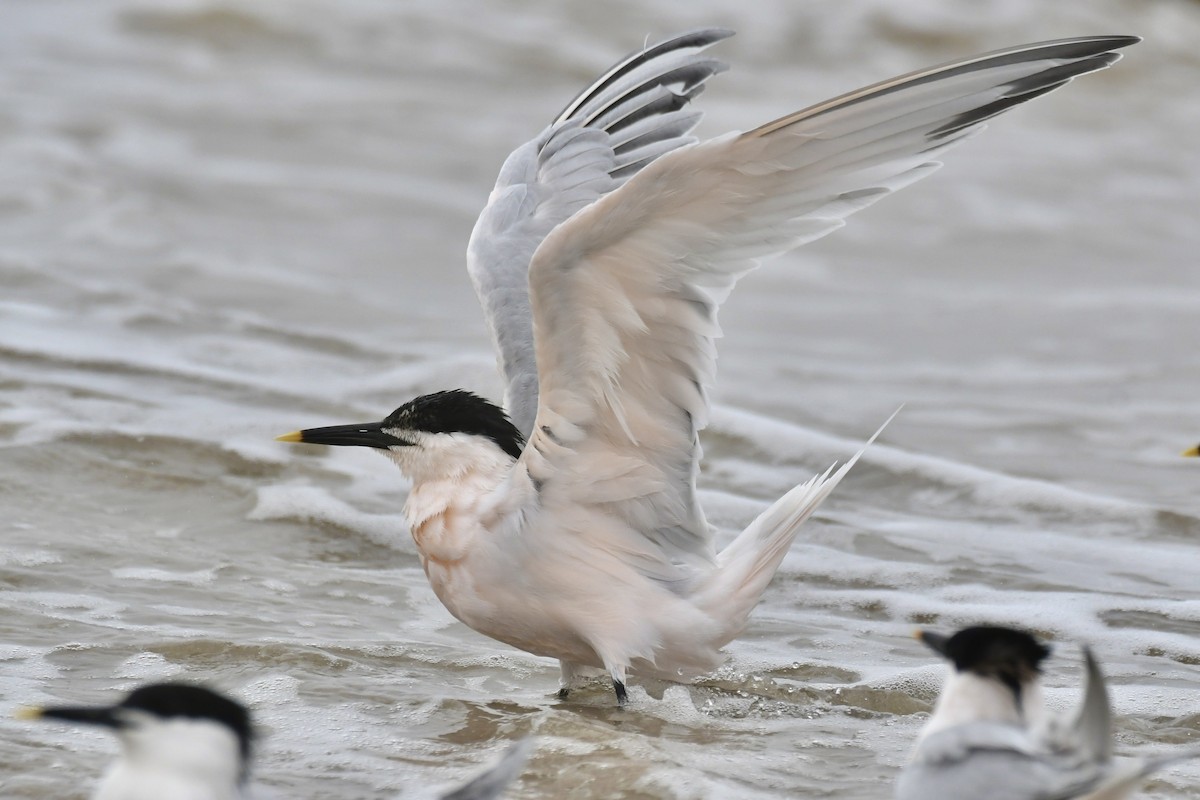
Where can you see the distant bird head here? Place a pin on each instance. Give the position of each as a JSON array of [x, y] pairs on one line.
[[1010, 657], [444, 427], [187, 732]]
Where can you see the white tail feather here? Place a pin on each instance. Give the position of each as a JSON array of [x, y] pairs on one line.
[[746, 566]]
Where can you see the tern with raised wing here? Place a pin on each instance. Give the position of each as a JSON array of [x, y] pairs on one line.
[[609, 242], [991, 738]]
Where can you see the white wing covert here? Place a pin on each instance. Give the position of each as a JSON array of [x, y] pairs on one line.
[[634, 113], [625, 293]]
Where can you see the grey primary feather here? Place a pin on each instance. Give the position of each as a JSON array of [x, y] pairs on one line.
[[634, 113], [1093, 726], [1060, 60]]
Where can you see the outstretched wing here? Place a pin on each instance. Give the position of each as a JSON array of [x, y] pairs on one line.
[[632, 114], [625, 293]]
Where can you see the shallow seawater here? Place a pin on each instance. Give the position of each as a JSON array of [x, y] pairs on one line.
[[221, 220]]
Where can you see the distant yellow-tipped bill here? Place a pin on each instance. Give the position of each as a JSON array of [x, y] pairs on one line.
[[294, 436], [1192, 452], [28, 712]]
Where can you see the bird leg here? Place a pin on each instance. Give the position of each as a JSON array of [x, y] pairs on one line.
[[618, 679], [566, 678]]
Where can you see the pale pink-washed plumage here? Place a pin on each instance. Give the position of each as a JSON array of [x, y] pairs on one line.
[[605, 251]]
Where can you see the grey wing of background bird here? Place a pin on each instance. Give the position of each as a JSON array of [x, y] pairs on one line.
[[630, 116], [992, 761], [1093, 726], [492, 783], [1093, 733]]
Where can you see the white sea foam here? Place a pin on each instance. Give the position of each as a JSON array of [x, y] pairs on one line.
[[147, 668], [196, 578], [993, 489], [314, 504]]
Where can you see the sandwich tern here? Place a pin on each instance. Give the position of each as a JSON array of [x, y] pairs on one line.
[[609, 242], [180, 741], [990, 738]]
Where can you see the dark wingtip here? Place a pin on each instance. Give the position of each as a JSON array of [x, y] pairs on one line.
[[698, 38], [1085, 54], [1120, 39]]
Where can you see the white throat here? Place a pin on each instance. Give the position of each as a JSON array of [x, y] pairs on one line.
[[455, 477], [967, 697], [449, 457], [175, 758]]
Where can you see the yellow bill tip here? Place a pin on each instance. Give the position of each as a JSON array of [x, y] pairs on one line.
[[918, 634], [28, 712], [294, 436], [1192, 452]]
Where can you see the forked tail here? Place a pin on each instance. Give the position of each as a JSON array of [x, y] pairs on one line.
[[746, 566]]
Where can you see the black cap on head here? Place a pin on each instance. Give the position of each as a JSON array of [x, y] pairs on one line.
[[454, 411], [458, 411], [1008, 655], [166, 700]]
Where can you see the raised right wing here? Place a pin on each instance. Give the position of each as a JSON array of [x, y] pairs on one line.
[[634, 113], [1093, 727], [626, 292]]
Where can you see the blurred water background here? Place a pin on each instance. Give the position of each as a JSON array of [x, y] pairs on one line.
[[221, 220]]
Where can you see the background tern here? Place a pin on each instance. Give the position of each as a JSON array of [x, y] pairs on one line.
[[605, 250], [180, 741], [990, 737]]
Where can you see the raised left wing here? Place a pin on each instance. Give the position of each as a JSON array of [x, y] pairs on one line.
[[635, 112]]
